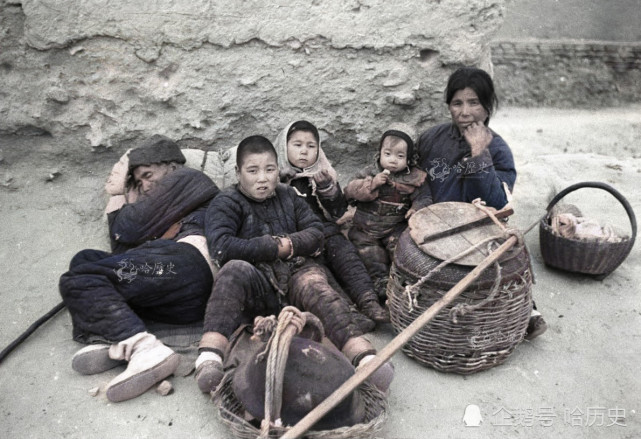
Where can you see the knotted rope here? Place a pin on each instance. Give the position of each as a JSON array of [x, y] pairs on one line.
[[291, 321]]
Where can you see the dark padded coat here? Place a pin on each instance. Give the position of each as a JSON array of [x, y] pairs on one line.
[[247, 228], [240, 235], [454, 175], [180, 196], [340, 254]]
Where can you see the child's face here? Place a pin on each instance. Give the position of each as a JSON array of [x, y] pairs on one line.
[[393, 154], [302, 149], [258, 175]]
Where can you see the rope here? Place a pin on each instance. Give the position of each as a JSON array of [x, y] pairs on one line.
[[290, 322], [412, 290], [464, 308]]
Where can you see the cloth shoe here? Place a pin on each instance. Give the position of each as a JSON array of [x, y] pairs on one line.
[[150, 362], [380, 286], [94, 359], [209, 373], [536, 326]]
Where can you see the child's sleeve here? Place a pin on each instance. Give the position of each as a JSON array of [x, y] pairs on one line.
[[309, 238], [359, 188], [332, 200]]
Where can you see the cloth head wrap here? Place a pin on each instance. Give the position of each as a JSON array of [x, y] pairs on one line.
[[289, 172]]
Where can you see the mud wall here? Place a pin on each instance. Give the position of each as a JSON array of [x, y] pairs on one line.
[[208, 73]]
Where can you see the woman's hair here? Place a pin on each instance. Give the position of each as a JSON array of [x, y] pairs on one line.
[[303, 125], [253, 145], [479, 81]]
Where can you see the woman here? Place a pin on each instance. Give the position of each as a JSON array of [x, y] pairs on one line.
[[464, 159]]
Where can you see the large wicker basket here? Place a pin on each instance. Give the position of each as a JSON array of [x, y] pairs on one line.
[[231, 412], [468, 342], [585, 256]]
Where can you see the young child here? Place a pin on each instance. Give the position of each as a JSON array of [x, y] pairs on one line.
[[265, 238], [304, 166], [383, 195]]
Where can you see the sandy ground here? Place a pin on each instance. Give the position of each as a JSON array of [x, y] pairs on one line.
[[579, 380]]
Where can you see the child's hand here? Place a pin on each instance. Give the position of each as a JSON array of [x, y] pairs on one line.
[[323, 179], [380, 179], [410, 213], [284, 247]]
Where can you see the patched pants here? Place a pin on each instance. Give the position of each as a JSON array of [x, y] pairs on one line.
[[348, 267], [242, 292]]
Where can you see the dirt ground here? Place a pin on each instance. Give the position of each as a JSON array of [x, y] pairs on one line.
[[578, 380]]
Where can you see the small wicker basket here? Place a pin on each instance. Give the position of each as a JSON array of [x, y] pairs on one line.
[[231, 413], [585, 256]]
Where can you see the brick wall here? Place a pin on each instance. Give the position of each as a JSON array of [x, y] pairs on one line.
[[566, 73]]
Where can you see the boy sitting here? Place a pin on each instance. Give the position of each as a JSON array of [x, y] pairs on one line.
[[265, 238]]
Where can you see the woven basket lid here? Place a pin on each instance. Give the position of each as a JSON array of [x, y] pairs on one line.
[[441, 217]]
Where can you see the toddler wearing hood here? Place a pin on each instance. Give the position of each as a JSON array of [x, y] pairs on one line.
[[304, 166], [383, 194]]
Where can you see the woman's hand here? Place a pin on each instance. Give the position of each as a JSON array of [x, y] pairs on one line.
[[478, 136]]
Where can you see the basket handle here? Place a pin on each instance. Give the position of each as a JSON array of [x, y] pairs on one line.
[[606, 187]]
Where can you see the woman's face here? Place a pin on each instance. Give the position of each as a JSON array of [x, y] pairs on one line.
[[465, 108], [258, 175], [302, 149]]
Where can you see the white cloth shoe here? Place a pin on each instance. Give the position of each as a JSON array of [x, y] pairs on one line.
[[150, 362], [94, 359]]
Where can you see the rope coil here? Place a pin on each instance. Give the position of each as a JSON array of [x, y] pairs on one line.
[[291, 321]]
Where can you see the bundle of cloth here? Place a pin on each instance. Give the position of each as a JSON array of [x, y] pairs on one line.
[[568, 222]]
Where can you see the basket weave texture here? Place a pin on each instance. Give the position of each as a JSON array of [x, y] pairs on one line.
[[472, 333], [585, 256], [231, 413]]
